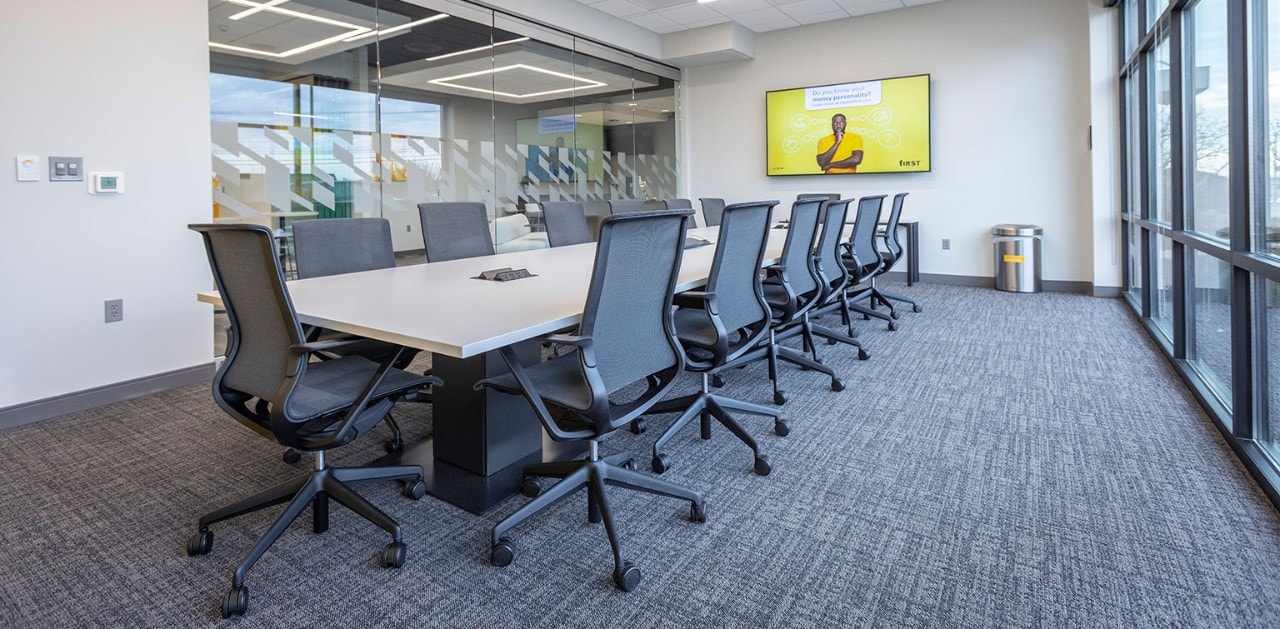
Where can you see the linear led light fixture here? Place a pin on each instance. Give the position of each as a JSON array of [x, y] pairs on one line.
[[476, 49], [397, 29], [256, 9], [298, 14], [355, 31], [293, 115], [445, 81]]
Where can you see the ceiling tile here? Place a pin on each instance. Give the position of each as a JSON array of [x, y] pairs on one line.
[[865, 7], [689, 12], [775, 26], [656, 23], [654, 5], [620, 8], [811, 7], [819, 18], [734, 7]]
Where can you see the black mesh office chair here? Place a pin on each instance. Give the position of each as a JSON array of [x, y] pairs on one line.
[[792, 288], [626, 206], [455, 230], [338, 246], [712, 208], [682, 204], [835, 278], [862, 259], [889, 257], [626, 336], [566, 223], [268, 384], [716, 325]]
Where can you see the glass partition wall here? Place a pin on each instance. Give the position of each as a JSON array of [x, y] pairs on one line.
[[1199, 88], [347, 108]]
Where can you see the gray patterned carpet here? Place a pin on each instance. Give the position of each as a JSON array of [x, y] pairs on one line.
[[1002, 460]]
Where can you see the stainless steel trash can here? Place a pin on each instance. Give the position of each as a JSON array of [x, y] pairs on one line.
[[1017, 256]]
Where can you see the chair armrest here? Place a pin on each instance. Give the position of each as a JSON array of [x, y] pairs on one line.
[[321, 346], [697, 299], [584, 343]]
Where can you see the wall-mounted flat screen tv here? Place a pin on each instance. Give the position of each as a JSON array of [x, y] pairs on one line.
[[879, 126]]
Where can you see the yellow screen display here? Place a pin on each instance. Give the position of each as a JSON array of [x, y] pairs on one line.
[[882, 127]]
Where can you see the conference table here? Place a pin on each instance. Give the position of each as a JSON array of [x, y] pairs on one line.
[[483, 439]]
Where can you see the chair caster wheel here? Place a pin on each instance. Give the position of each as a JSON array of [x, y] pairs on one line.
[[866, 317], [660, 463], [627, 576], [893, 315], [629, 464], [236, 602], [503, 552], [393, 556], [779, 398], [415, 490], [698, 513], [893, 327], [395, 446], [638, 427], [916, 308], [762, 465], [862, 354], [717, 381], [200, 543], [831, 341], [530, 488], [837, 384], [291, 456], [781, 428]]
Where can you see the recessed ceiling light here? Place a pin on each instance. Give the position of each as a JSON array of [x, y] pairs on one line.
[[261, 7]]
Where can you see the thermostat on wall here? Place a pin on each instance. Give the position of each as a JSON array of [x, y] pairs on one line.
[[106, 183]]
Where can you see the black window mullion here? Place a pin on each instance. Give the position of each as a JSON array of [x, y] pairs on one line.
[[1179, 48], [1242, 350]]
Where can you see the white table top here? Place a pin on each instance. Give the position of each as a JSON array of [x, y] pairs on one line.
[[437, 307]]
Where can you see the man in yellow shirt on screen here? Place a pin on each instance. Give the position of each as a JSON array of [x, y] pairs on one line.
[[839, 152]]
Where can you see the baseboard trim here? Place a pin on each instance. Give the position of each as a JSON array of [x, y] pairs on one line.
[[976, 281], [58, 405]]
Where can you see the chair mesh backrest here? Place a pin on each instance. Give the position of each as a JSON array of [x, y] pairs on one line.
[[451, 231], [712, 208], [735, 271], [625, 206], [828, 252], [682, 204], [263, 323], [566, 223], [891, 228], [628, 309], [797, 252], [863, 239], [342, 245]]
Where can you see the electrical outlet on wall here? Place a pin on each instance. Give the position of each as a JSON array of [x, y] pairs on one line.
[[114, 310], [946, 244]]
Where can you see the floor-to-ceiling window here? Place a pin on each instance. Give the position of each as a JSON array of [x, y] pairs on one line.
[[1200, 87]]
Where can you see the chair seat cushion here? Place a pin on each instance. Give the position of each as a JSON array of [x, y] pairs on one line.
[[559, 381], [775, 295], [694, 325], [332, 385]]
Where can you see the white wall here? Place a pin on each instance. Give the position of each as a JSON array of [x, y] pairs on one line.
[[1104, 29], [1011, 111], [127, 88]]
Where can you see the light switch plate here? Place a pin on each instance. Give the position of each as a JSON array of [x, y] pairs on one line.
[[66, 169], [28, 168]]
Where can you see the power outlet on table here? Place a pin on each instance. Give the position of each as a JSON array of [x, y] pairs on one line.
[[114, 310]]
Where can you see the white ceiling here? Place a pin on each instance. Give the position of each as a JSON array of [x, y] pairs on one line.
[[669, 16]]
